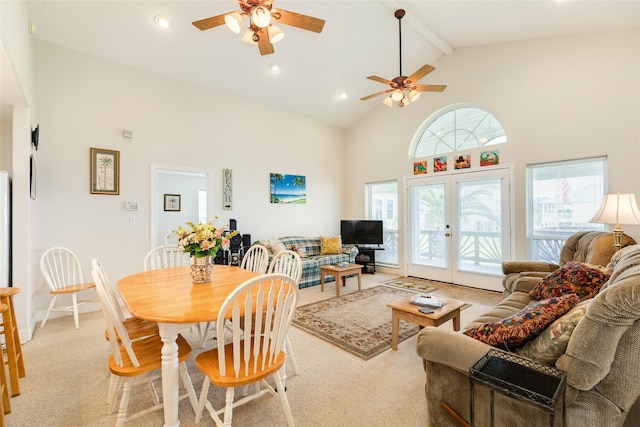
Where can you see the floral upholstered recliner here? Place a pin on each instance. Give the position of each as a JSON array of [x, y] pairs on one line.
[[591, 247], [599, 353]]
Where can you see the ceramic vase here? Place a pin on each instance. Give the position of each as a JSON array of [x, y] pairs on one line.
[[201, 269]]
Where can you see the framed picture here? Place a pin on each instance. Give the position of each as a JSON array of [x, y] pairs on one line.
[[489, 158], [105, 171], [420, 167], [290, 189], [463, 162], [172, 202], [32, 177]]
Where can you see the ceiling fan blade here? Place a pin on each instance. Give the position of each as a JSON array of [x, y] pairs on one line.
[[429, 88], [423, 71], [375, 94], [380, 80], [298, 20], [264, 44], [214, 21]]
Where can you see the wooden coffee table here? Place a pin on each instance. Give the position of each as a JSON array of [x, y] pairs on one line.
[[403, 310], [340, 273]]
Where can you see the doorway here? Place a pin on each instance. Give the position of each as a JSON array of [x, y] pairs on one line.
[[194, 188], [458, 227]]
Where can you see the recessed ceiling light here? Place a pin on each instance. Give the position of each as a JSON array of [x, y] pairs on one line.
[[343, 95], [163, 21], [274, 68]]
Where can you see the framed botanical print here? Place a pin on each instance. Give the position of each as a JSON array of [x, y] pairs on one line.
[[105, 171], [172, 202]]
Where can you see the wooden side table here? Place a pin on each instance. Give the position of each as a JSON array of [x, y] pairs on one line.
[[404, 310], [340, 274]]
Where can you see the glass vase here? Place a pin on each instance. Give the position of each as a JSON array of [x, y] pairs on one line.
[[201, 269]]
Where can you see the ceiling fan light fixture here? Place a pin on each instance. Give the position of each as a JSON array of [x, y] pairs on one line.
[[275, 34], [397, 95], [414, 95], [233, 21], [261, 16], [388, 101], [248, 37]]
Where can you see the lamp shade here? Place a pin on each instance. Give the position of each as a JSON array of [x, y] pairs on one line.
[[275, 34], [618, 208], [261, 16], [233, 21]]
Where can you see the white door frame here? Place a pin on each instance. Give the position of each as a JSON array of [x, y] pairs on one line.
[[157, 169], [484, 281]]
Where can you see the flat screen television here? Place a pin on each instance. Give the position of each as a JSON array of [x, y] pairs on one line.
[[361, 232]]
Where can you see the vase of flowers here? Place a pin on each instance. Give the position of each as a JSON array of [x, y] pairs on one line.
[[202, 241]]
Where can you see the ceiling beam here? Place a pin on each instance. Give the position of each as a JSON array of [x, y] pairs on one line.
[[421, 28]]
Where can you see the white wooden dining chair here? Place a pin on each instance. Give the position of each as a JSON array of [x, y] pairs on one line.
[[255, 259], [130, 359], [288, 262], [165, 256], [136, 328], [63, 273], [263, 305]]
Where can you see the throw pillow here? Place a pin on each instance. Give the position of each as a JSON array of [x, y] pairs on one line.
[[585, 280], [330, 245], [524, 325], [552, 342], [275, 246]]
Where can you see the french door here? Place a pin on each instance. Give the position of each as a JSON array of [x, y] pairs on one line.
[[458, 227]]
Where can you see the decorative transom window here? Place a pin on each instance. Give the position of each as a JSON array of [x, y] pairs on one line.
[[456, 128]]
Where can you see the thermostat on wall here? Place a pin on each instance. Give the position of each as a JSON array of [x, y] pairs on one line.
[[132, 206]]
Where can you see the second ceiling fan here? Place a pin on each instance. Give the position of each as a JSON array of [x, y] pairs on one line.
[[262, 16], [402, 89]]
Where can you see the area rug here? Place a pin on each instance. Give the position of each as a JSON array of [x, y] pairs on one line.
[[413, 284], [359, 323]]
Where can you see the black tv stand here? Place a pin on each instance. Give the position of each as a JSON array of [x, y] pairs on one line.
[[367, 257]]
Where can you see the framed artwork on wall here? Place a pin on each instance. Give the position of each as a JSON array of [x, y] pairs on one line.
[[32, 177], [172, 202], [290, 189], [105, 171], [420, 168]]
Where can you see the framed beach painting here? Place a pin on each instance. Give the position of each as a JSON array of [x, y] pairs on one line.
[[289, 189], [105, 171]]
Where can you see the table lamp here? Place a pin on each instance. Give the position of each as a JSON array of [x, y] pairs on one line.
[[618, 208]]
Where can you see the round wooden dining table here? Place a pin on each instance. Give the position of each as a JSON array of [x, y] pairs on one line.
[[169, 297]]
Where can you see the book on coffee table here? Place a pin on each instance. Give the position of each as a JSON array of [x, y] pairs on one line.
[[427, 301]]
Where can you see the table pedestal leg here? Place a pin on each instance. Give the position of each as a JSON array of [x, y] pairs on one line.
[[169, 334]]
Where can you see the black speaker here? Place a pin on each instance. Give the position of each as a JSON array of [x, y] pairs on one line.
[[235, 242], [233, 225], [220, 257], [246, 240]]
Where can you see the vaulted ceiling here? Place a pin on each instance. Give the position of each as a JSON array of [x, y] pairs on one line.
[[359, 39]]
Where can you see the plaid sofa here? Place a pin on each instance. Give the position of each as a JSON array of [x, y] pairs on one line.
[[310, 246]]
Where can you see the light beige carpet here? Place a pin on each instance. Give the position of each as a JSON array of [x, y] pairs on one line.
[[359, 323]]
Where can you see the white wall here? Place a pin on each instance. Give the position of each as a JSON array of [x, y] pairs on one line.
[[85, 102], [558, 99]]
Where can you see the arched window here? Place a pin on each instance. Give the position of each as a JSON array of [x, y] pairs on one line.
[[456, 128]]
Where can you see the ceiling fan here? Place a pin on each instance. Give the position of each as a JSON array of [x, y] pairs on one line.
[[402, 88], [262, 30]]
